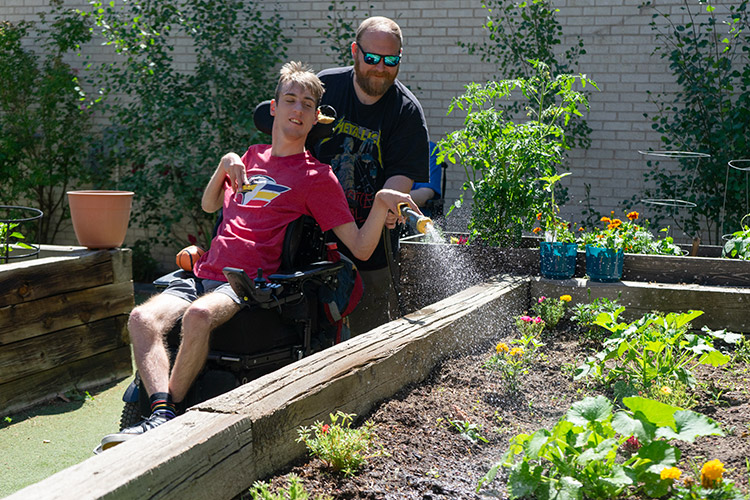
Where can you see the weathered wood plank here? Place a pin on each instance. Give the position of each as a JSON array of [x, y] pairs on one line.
[[694, 270], [82, 374], [220, 447], [723, 307], [22, 359], [31, 280], [30, 319]]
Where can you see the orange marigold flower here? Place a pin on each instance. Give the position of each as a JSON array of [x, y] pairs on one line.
[[537, 229], [539, 216], [580, 228], [614, 224], [516, 351], [566, 298], [633, 215], [605, 219], [711, 473], [671, 473], [501, 347]]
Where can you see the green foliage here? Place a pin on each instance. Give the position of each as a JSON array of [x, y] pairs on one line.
[[584, 316], [503, 160], [470, 432], [294, 491], [10, 239], [738, 244], [656, 350], [340, 30], [512, 363], [171, 124], [592, 453], [340, 447], [629, 236], [710, 113], [522, 32], [550, 223], [44, 128], [550, 309]]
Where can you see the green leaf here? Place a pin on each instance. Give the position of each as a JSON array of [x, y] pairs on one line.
[[602, 451], [568, 488], [626, 425], [522, 481], [589, 410], [690, 425], [659, 414], [714, 358]]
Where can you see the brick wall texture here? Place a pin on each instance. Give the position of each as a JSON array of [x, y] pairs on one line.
[[618, 42]]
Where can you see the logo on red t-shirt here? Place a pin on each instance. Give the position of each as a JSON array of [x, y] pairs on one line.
[[259, 191]]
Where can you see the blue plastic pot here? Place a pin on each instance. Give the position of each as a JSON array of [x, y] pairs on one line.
[[604, 264], [557, 260]]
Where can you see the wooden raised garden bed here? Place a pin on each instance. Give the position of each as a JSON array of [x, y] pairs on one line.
[[63, 323], [219, 448]]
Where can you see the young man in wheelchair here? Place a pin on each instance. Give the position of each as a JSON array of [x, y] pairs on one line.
[[260, 194]]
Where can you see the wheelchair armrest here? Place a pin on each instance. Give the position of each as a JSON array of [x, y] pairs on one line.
[[163, 282], [320, 270]]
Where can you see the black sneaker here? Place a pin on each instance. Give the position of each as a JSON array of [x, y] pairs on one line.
[[155, 420]]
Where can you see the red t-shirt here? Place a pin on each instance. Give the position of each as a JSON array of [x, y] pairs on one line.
[[254, 222]]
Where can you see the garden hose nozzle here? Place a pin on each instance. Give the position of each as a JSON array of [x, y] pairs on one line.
[[413, 219]]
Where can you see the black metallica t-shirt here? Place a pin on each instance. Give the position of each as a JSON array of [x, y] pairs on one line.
[[371, 143]]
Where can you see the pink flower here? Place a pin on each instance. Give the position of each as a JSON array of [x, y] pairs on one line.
[[526, 319], [541, 299], [538, 319]]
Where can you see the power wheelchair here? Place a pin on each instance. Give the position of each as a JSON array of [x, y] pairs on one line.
[[288, 315]]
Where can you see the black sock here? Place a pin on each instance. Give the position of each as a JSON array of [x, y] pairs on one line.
[[161, 403]]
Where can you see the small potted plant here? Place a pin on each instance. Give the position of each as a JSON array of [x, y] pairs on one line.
[[604, 251], [557, 253]]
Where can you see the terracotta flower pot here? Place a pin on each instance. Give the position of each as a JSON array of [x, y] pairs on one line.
[[100, 218]]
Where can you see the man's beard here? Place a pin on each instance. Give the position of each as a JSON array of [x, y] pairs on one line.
[[369, 85]]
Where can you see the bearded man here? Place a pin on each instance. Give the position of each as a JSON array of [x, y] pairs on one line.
[[379, 140]]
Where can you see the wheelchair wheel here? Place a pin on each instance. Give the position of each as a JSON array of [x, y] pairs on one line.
[[131, 415]]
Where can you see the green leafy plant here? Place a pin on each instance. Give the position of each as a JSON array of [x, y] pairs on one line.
[[10, 239], [551, 225], [519, 33], [738, 243], [503, 160], [510, 363], [470, 432], [340, 447], [550, 309], [170, 125], [44, 127], [294, 491], [593, 453], [584, 316], [529, 326], [654, 350], [709, 113]]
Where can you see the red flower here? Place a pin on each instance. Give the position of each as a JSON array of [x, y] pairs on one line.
[[325, 428]]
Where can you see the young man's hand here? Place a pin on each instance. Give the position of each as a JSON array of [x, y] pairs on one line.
[[235, 169]]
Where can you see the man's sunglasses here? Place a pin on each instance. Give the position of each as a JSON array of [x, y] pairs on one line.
[[373, 59]]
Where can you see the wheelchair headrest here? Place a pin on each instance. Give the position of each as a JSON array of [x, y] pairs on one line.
[[264, 122]]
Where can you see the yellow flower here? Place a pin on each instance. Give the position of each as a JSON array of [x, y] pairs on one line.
[[501, 347], [566, 298], [454, 240], [633, 215], [670, 473], [516, 351], [711, 473], [666, 390]]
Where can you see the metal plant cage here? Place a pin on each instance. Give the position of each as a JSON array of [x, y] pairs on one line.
[[17, 225]]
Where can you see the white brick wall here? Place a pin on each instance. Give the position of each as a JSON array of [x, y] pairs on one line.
[[618, 42]]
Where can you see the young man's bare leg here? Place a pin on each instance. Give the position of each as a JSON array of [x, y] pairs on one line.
[[200, 319]]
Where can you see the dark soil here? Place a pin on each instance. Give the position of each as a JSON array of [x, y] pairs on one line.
[[428, 459]]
